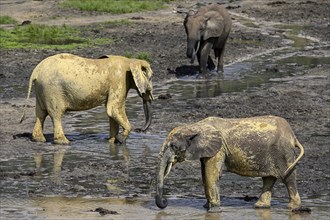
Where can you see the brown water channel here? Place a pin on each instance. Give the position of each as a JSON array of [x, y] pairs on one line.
[[70, 181]]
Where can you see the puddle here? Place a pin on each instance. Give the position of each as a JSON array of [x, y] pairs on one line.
[[132, 208], [88, 174], [306, 60]]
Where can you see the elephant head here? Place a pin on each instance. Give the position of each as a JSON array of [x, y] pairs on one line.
[[184, 143], [140, 79], [201, 26]]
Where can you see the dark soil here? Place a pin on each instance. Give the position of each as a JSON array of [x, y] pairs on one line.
[[302, 99]]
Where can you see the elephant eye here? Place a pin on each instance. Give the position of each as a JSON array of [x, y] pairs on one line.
[[174, 147], [144, 70]]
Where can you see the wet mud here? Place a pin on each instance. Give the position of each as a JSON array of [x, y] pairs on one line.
[[270, 68]]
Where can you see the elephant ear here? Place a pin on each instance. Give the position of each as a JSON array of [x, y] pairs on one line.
[[214, 24], [142, 74], [204, 141]]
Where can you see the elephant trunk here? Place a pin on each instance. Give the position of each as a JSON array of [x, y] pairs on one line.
[[164, 167], [192, 50], [147, 114]]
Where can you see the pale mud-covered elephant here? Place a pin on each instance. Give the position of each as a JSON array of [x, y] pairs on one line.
[[207, 29], [66, 82], [256, 147]]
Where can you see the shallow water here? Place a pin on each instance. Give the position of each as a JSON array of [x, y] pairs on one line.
[[73, 180], [132, 208]]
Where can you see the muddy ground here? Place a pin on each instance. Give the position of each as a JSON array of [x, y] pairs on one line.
[[302, 98]]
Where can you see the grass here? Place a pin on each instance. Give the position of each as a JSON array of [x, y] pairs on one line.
[[46, 37], [139, 55], [115, 6], [7, 20]]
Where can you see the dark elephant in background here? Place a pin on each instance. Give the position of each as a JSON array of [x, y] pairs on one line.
[[207, 29], [257, 147]]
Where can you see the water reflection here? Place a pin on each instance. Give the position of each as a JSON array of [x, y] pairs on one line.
[[114, 152], [57, 164], [264, 214]]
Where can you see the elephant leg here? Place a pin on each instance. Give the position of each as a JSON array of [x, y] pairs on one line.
[[266, 194], [210, 64], [37, 134], [220, 60], [114, 129], [199, 54], [211, 171], [291, 185], [119, 116], [59, 137], [204, 56], [221, 53], [206, 205]]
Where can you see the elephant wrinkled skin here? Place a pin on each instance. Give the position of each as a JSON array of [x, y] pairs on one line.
[[66, 82], [207, 29], [257, 147]]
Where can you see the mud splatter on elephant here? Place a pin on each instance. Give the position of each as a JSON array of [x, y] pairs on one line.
[[257, 147], [66, 82]]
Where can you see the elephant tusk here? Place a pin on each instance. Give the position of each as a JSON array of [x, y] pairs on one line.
[[195, 52], [148, 115], [168, 169]]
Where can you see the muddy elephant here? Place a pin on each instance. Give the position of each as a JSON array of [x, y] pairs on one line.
[[256, 147], [207, 29], [66, 82]]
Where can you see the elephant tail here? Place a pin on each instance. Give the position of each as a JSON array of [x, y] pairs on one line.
[[32, 79], [290, 168]]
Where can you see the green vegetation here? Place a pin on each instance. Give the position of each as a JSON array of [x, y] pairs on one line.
[[139, 55], [46, 37], [246, 22], [7, 20], [293, 32], [115, 6]]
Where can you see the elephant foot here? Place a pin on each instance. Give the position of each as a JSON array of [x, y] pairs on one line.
[[261, 205], [121, 139], [294, 205], [214, 208], [295, 202], [116, 141], [62, 141], [204, 75], [264, 200], [220, 69], [38, 138], [112, 140]]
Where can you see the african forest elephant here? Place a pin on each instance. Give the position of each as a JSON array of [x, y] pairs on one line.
[[66, 82], [207, 28], [256, 147]]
